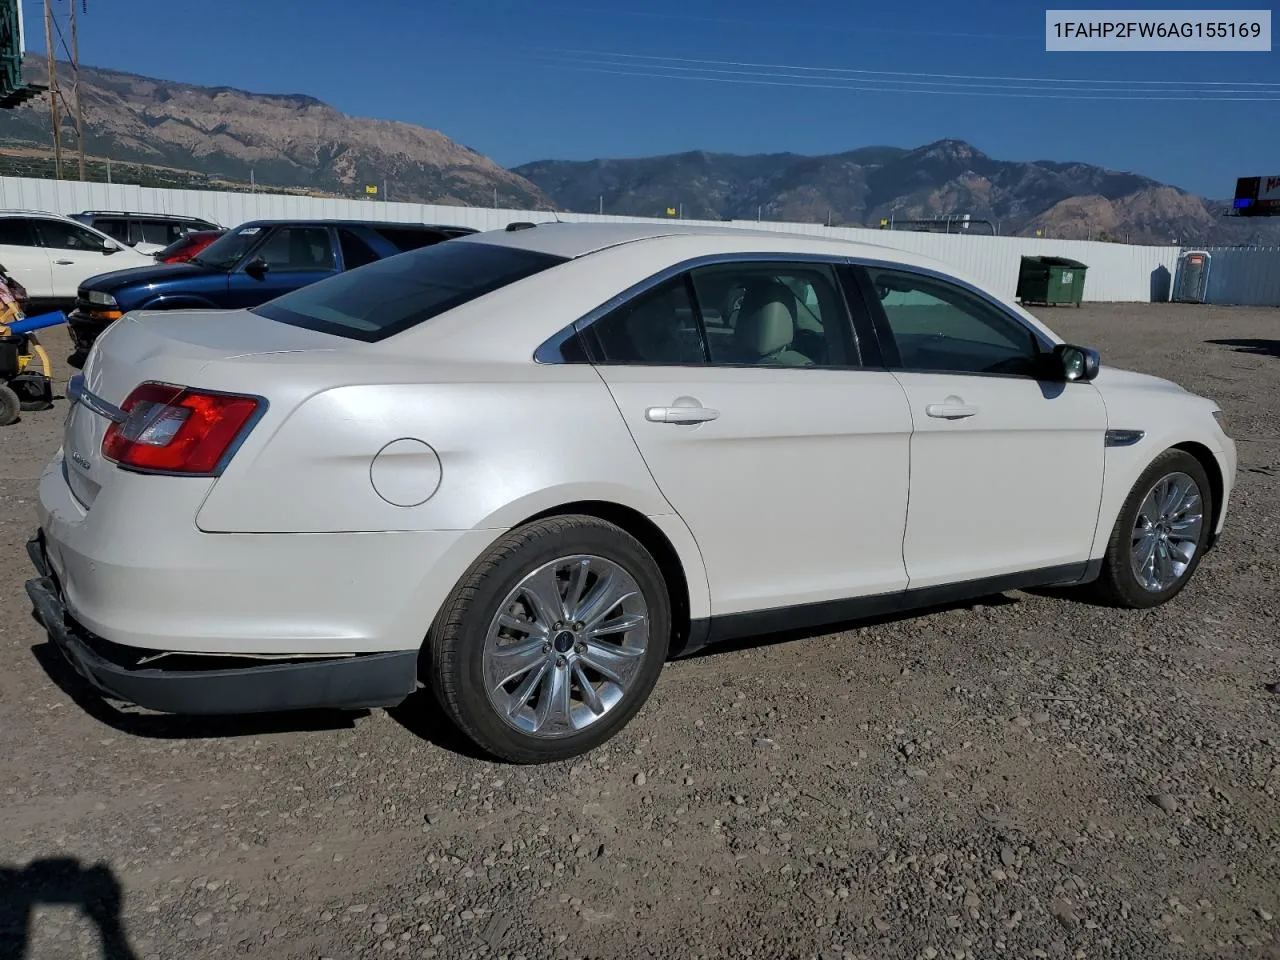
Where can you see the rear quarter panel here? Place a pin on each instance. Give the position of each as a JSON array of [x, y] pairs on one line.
[[509, 447]]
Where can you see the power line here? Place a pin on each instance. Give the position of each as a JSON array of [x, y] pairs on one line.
[[604, 61], [851, 85], [809, 25], [902, 73]]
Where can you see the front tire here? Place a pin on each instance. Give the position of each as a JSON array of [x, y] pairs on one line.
[[552, 641], [1160, 535]]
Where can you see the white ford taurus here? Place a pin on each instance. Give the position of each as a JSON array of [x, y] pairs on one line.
[[526, 467]]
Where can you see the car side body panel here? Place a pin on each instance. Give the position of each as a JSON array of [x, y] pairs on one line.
[[1167, 416]]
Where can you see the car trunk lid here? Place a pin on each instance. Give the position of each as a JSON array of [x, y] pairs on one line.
[[175, 347]]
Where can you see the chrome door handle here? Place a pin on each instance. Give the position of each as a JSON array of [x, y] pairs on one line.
[[65, 263], [680, 414], [950, 411]]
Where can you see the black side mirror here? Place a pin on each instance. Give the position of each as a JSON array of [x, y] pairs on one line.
[[1074, 363], [257, 267]]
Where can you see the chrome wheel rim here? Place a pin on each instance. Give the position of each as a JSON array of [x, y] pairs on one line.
[[566, 646], [1166, 532]]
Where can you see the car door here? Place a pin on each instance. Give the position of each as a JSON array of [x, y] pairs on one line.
[[23, 257], [785, 457], [1006, 464], [76, 254], [288, 257]]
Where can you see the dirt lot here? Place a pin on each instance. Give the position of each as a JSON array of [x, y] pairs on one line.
[[1025, 777]]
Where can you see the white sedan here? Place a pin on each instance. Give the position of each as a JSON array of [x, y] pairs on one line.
[[526, 467]]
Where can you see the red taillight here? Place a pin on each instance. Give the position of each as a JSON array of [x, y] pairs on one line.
[[172, 429]]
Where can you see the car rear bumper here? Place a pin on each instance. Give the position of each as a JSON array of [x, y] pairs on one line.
[[134, 569], [204, 685]]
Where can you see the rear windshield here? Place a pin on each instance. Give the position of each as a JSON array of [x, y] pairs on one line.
[[381, 299]]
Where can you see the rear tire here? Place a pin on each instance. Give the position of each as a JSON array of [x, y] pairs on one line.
[[10, 406], [1167, 515], [552, 641]]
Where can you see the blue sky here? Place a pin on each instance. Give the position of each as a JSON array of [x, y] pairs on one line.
[[576, 79]]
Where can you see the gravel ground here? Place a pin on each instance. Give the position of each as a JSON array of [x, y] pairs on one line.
[[1023, 777]]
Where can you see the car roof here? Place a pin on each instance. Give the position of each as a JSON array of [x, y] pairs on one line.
[[577, 239], [325, 222], [33, 213], [140, 215]]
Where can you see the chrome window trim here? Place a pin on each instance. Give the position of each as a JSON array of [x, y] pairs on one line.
[[77, 392], [549, 350]]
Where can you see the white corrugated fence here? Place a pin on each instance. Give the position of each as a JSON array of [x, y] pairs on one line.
[[1117, 272]]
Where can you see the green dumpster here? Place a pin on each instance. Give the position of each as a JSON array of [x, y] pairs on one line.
[[1051, 280]]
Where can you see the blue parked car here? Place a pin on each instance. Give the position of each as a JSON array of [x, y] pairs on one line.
[[249, 265]]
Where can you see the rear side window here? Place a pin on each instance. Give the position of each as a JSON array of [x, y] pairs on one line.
[[392, 295], [15, 232], [116, 229], [410, 238], [355, 252]]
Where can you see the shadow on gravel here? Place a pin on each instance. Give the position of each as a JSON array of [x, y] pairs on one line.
[[1261, 348], [806, 633], [61, 882], [163, 726], [422, 716]]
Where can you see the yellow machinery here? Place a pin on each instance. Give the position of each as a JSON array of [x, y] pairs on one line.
[[25, 372]]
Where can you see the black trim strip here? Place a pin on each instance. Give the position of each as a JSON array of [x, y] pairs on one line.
[[736, 626], [1124, 438]]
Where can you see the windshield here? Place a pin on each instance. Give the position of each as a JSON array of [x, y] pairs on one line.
[[381, 299], [225, 252]]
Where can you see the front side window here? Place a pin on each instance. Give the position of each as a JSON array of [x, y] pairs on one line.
[[774, 314], [297, 248], [67, 236], [394, 294], [228, 250], [941, 327]]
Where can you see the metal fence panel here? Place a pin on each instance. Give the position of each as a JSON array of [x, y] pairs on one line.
[[1117, 272], [1244, 276]]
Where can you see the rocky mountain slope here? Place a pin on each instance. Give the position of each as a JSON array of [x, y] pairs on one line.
[[161, 132], [858, 188], [289, 140]]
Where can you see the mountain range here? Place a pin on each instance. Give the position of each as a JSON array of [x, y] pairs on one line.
[[865, 186], [163, 132]]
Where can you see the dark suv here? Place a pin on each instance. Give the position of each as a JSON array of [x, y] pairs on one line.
[[152, 230], [256, 262]]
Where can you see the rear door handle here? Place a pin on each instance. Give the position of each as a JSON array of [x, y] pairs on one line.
[[950, 411], [680, 414], [65, 263]]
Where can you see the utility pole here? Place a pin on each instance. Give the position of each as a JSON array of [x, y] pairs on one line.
[[384, 191], [53, 90], [602, 204], [495, 198], [75, 86]]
